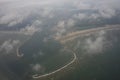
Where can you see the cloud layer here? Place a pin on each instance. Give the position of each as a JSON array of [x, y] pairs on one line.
[[63, 12]]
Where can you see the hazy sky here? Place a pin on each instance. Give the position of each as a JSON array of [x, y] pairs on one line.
[[13, 12], [18, 8], [56, 17]]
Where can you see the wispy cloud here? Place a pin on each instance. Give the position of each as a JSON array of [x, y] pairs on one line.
[[37, 68], [62, 26], [97, 45], [31, 29], [13, 12], [9, 45]]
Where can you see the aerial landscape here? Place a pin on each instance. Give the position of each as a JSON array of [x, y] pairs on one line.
[[59, 40]]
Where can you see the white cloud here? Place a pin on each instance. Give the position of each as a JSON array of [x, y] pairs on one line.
[[70, 23], [82, 5], [85, 16], [37, 23], [107, 13], [81, 16], [9, 45], [97, 45], [11, 19], [36, 67], [13, 12], [16, 11], [94, 16], [60, 28], [46, 12], [77, 45], [106, 8], [30, 30]]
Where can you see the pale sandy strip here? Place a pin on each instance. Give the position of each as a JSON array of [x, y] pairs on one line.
[[73, 35], [69, 37], [75, 57]]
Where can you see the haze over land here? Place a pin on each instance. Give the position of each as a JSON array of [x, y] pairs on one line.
[[39, 37]]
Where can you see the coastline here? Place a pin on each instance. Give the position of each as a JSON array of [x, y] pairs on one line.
[[63, 39]]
